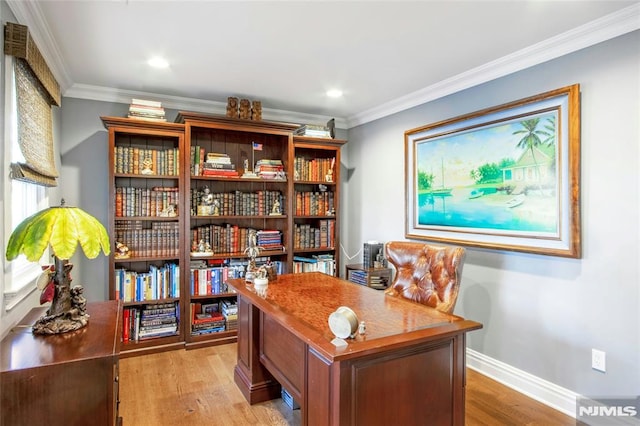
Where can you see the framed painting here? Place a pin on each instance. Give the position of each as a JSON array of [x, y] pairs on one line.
[[506, 178]]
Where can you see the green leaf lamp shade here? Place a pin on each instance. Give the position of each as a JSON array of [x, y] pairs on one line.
[[61, 227]]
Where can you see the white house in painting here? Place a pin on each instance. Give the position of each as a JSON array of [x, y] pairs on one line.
[[535, 166]]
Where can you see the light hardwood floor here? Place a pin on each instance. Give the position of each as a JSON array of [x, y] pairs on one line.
[[196, 387]]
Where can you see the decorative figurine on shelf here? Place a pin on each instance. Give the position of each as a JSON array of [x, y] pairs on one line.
[[252, 250], [147, 166], [205, 208], [256, 110], [329, 176], [244, 112], [215, 208], [122, 251], [275, 210], [170, 211], [232, 107], [203, 248]]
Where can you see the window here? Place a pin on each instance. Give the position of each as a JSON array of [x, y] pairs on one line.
[[22, 199]]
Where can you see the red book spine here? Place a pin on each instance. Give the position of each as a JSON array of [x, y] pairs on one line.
[[126, 325]]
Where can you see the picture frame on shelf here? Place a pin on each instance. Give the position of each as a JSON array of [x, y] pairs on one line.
[[505, 178]]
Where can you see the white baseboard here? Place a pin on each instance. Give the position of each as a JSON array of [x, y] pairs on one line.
[[554, 396]]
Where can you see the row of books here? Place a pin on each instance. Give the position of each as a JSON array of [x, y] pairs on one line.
[[146, 161], [307, 237], [309, 203], [313, 169], [270, 169], [361, 277], [153, 202], [238, 203], [150, 321], [214, 317], [158, 283], [143, 109], [230, 238], [324, 263], [211, 163], [230, 313], [161, 240], [208, 280], [269, 239]]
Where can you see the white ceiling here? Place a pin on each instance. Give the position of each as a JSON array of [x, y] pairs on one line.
[[385, 55]]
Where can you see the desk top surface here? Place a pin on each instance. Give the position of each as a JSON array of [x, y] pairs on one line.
[[303, 302], [99, 338]]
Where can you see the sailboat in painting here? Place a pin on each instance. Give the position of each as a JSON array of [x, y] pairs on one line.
[[442, 190]]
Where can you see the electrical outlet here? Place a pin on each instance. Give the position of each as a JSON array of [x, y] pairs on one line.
[[598, 360]]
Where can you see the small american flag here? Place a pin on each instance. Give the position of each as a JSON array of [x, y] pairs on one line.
[[257, 146]]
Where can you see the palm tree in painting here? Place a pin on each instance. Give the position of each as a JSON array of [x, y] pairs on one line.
[[532, 138]]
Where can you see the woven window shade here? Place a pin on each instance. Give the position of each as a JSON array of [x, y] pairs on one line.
[[35, 128], [18, 43], [35, 132]]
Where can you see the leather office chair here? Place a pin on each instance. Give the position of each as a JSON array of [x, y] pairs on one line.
[[425, 273]]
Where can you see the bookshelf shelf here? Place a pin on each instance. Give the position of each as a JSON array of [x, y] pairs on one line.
[[214, 295], [151, 302], [315, 182], [141, 176], [269, 149], [148, 218], [238, 217]]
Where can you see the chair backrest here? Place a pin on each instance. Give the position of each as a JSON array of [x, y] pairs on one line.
[[425, 273]]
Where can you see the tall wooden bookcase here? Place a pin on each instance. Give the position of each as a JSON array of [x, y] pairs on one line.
[[316, 193], [308, 195], [146, 213]]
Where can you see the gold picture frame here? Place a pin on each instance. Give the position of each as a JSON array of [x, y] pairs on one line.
[[505, 178]]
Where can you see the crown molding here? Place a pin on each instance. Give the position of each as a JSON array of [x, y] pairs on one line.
[[610, 26], [602, 29]]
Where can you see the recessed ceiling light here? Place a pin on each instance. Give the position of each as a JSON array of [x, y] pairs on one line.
[[158, 62], [334, 93]]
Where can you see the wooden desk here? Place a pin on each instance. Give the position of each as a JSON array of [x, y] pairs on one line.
[[408, 369], [64, 379]]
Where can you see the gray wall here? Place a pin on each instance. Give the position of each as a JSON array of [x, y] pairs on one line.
[[541, 314]]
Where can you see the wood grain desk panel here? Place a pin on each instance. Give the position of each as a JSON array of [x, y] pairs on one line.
[[62, 379], [409, 363]]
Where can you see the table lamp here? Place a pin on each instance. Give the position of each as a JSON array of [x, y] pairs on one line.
[[61, 228]]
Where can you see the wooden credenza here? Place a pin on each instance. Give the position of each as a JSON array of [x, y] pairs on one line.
[[65, 379], [408, 368]]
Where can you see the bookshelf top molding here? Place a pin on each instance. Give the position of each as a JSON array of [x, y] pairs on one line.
[[311, 142], [141, 125], [202, 119]]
